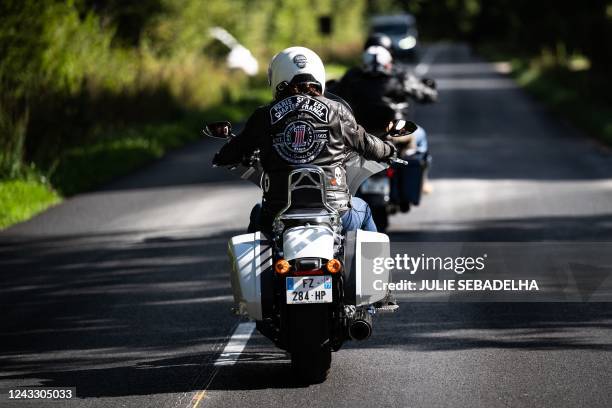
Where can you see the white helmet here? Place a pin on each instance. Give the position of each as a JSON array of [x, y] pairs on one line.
[[377, 59], [294, 61]]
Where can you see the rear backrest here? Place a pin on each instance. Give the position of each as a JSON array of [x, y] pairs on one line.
[[307, 188]]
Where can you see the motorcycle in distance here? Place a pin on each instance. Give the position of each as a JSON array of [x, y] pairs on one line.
[[397, 187], [308, 286]]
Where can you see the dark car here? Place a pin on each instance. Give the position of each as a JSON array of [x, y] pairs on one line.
[[402, 30]]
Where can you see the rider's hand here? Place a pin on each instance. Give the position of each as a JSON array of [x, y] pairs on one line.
[[392, 152]]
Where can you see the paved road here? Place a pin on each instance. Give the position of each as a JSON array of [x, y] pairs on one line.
[[123, 293]]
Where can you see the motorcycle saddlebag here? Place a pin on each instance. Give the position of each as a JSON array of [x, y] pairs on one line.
[[251, 260], [409, 179], [363, 252]]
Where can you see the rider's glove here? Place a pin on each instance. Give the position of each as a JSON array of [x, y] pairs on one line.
[[430, 91], [392, 151]]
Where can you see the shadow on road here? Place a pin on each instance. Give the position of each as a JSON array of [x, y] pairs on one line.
[[526, 326], [442, 327], [586, 228], [189, 165], [116, 317]]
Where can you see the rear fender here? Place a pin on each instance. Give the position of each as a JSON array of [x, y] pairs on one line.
[[308, 242]]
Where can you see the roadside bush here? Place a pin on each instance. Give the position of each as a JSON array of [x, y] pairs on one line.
[[92, 89], [74, 69]]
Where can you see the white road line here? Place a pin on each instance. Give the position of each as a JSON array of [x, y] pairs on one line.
[[230, 354], [236, 344]]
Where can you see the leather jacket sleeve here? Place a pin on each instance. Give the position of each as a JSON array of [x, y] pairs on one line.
[[245, 143], [417, 89], [356, 138]]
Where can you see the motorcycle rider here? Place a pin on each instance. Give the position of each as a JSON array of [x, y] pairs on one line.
[[301, 126], [421, 90], [370, 88], [373, 88]]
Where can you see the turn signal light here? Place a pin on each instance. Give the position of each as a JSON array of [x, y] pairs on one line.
[[334, 266], [282, 267]]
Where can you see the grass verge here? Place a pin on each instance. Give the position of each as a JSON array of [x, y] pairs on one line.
[[569, 95], [22, 199], [115, 152], [566, 85]]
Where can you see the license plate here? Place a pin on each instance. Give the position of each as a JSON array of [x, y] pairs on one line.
[[309, 289], [376, 186]]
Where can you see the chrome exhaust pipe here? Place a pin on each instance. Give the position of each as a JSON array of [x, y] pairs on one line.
[[360, 327]]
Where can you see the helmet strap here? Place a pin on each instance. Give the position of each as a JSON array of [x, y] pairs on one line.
[[280, 88]]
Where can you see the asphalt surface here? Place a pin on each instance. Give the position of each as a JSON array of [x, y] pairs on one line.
[[124, 294]]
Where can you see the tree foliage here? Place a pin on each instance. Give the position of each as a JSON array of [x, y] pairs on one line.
[[524, 26], [71, 67]]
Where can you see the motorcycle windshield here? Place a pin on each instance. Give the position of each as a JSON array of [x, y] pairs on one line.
[[358, 169]]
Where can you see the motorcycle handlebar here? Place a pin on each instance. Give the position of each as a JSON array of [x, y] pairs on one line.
[[398, 161]]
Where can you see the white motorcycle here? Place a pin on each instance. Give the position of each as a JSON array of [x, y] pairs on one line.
[[308, 285]]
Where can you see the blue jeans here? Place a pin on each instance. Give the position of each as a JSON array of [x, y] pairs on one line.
[[359, 216], [421, 140]]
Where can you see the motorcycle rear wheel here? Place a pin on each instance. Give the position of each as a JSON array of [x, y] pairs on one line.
[[380, 217], [311, 366]]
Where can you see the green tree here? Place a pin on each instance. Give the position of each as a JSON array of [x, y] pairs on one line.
[[45, 47]]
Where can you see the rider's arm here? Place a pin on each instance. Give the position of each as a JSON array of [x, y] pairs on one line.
[[356, 138], [416, 88], [245, 143]]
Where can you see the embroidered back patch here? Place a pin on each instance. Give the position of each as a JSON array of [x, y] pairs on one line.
[[300, 143], [302, 103]]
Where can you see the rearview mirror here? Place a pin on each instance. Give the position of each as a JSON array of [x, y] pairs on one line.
[[219, 130], [401, 127]]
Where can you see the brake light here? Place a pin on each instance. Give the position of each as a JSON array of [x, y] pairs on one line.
[[334, 266], [282, 267], [390, 172]]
